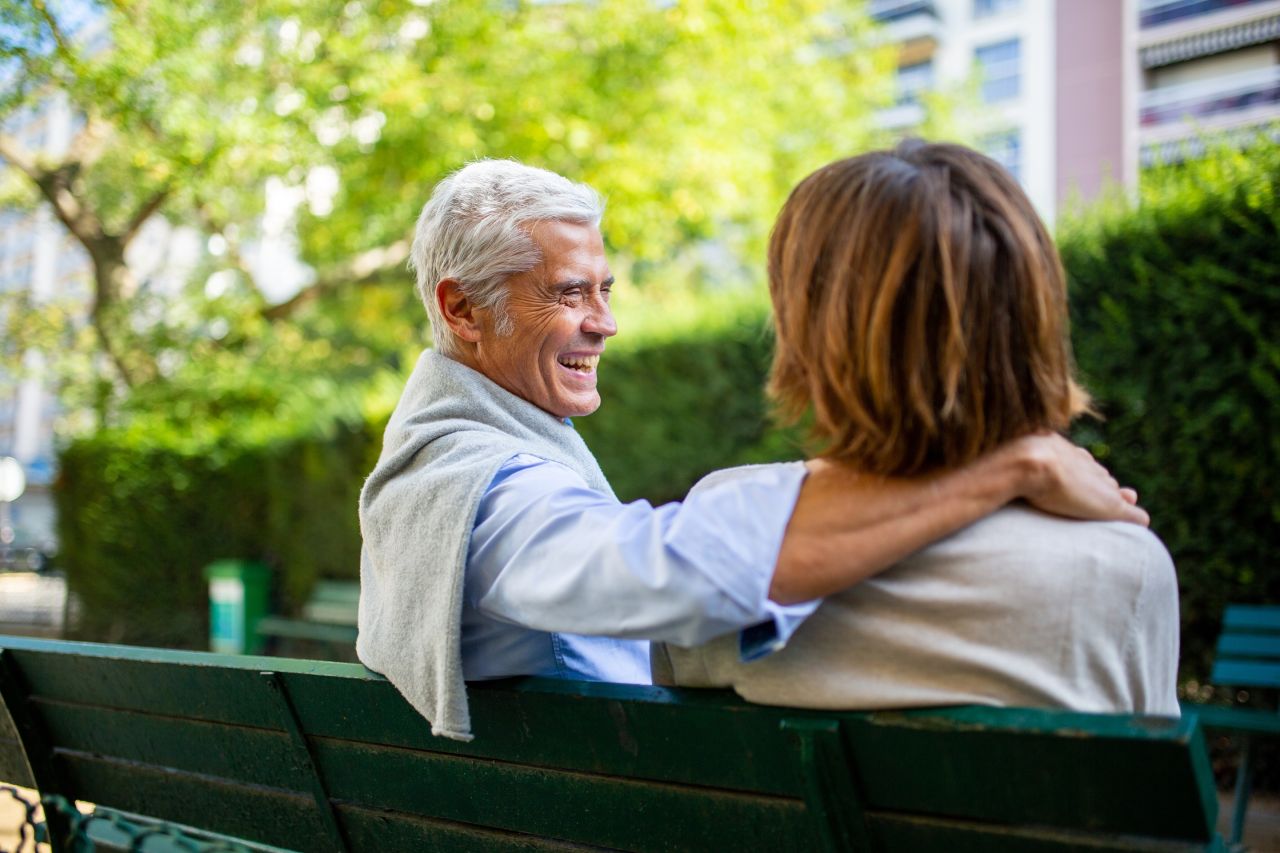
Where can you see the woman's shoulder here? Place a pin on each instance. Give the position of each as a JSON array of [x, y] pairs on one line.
[[1103, 541], [767, 472]]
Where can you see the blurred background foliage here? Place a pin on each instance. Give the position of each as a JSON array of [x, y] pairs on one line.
[[238, 420]]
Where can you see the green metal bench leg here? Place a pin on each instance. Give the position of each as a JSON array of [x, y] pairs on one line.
[[1244, 787]]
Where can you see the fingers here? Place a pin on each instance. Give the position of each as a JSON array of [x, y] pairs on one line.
[[1133, 514], [1129, 510]]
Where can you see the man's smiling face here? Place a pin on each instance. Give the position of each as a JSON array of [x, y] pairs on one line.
[[561, 317]]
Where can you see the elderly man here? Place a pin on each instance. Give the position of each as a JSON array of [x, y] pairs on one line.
[[493, 545]]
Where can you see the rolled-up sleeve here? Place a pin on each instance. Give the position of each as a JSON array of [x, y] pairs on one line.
[[550, 553]]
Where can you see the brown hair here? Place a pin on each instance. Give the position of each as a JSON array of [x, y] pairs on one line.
[[921, 310]]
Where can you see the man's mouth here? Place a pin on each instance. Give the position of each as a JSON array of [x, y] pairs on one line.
[[580, 363]]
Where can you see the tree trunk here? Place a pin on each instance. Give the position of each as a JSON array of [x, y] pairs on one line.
[[112, 281]]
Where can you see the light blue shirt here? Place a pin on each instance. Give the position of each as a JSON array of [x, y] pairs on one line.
[[565, 581]]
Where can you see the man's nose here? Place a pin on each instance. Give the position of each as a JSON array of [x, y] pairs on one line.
[[599, 319]]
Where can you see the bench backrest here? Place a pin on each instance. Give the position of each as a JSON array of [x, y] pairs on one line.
[[322, 756], [1248, 647], [334, 602]]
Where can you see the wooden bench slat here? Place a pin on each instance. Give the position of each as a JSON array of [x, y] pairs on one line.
[[1248, 720], [329, 590], [301, 629], [1249, 645], [580, 807], [258, 813], [330, 613], [933, 835], [237, 753], [1245, 673], [159, 680], [369, 830], [1239, 617]]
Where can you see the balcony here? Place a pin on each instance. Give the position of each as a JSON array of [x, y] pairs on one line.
[[1255, 24], [1155, 13], [888, 11], [900, 117], [913, 25], [1256, 91]]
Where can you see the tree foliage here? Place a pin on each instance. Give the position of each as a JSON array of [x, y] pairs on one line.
[[693, 118]]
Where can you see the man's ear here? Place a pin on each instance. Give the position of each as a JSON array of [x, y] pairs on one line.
[[458, 311]]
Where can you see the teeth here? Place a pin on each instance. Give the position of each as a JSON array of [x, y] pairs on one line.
[[581, 362]]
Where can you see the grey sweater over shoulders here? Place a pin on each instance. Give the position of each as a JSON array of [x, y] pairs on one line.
[[448, 436], [1019, 609]]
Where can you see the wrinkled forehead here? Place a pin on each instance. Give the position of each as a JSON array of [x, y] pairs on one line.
[[568, 249]]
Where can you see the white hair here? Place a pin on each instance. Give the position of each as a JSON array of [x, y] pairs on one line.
[[470, 230]]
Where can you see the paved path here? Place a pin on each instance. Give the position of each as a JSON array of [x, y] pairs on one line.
[[12, 814], [32, 604], [1261, 827]]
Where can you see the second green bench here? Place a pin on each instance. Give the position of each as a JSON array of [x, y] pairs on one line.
[[1248, 656], [327, 622]]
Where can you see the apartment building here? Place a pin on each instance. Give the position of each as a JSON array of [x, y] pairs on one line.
[[1075, 94], [1206, 66], [1052, 82], [39, 257]]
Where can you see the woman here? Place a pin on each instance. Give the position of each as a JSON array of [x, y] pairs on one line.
[[922, 319]]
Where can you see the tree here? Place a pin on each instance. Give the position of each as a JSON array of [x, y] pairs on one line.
[[693, 118]]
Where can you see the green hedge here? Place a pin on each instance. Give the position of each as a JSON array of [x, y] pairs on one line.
[[1176, 311], [140, 518]]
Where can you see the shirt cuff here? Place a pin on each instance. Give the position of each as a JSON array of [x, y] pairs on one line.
[[765, 638]]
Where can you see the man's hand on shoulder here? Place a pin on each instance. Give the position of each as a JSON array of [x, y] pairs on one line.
[[1061, 478]]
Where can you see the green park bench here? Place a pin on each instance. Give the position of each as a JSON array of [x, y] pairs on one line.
[[327, 622], [314, 755], [1248, 656]]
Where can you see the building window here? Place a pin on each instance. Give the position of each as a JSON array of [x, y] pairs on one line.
[[1000, 68], [913, 80], [1006, 149], [986, 8]]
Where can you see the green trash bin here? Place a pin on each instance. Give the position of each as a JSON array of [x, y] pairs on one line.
[[237, 600]]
